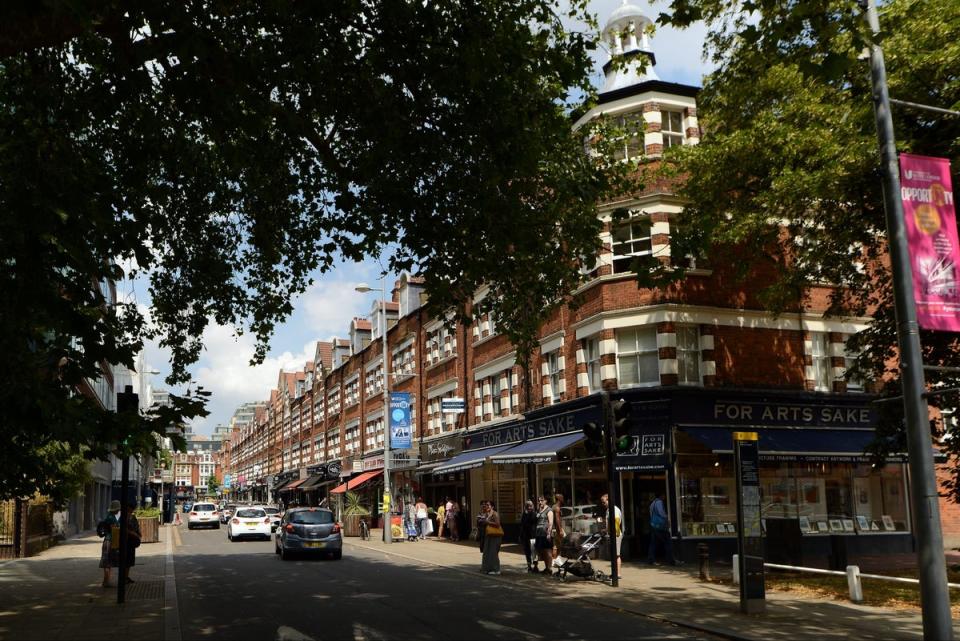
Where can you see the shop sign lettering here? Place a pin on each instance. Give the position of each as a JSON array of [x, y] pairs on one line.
[[767, 414]]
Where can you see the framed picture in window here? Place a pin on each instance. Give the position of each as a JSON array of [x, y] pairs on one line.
[[721, 528], [848, 525], [888, 523], [874, 526], [836, 525], [863, 524], [805, 524], [731, 528], [810, 491], [822, 526]]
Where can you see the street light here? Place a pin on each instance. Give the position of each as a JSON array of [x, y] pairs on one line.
[[363, 288]]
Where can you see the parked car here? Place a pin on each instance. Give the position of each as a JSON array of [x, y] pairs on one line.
[[249, 522], [580, 518], [187, 505], [203, 515], [309, 530], [227, 512]]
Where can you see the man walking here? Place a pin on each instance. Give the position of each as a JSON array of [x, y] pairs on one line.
[[660, 531], [617, 523]]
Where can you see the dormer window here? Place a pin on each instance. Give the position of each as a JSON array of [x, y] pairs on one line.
[[671, 126], [630, 240]]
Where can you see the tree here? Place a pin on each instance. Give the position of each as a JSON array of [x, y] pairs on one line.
[[213, 485], [226, 152], [790, 137]]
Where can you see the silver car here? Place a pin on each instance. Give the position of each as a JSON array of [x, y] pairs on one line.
[[309, 530]]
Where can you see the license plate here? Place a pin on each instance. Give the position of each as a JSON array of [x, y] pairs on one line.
[[315, 544]]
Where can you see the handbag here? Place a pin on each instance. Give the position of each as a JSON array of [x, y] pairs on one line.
[[428, 528], [494, 530]]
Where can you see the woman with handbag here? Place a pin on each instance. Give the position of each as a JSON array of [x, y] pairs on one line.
[[492, 539], [423, 519], [109, 555]]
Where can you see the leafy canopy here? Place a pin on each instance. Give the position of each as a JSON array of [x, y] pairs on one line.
[[790, 138], [226, 151]]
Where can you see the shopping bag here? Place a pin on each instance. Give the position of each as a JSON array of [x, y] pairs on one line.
[[428, 527]]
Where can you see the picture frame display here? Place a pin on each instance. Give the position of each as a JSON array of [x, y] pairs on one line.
[[822, 526], [836, 525], [722, 528], [863, 524], [804, 524], [848, 525], [888, 524]]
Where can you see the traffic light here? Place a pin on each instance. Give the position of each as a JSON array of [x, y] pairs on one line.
[[622, 441], [594, 433]]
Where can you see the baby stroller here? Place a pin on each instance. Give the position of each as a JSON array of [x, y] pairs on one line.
[[579, 565]]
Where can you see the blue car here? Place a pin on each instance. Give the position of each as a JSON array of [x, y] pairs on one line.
[[309, 530], [187, 506]]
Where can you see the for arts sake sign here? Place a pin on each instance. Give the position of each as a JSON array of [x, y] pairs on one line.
[[931, 223]]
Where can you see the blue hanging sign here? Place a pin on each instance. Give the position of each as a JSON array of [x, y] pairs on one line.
[[401, 430]]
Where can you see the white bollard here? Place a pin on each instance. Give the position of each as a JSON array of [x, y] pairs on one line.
[[853, 582], [736, 569]]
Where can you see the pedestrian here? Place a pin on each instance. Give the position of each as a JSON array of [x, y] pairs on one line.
[[423, 519], [109, 556], [451, 513], [660, 531], [134, 536], [544, 534], [618, 525], [559, 533], [482, 522], [528, 529], [493, 538], [441, 519], [411, 521]]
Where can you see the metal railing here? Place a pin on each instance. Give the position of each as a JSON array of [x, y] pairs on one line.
[[853, 574]]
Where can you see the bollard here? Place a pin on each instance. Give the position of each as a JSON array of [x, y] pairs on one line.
[[704, 553], [736, 569], [854, 584]]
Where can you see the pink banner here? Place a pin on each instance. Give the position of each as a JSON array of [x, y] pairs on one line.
[[927, 194]]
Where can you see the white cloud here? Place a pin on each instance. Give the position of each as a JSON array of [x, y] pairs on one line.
[[330, 305]]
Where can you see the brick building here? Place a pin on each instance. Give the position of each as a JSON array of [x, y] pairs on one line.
[[695, 361]]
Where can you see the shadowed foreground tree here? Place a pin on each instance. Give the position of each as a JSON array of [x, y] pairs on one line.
[[790, 138], [226, 151]]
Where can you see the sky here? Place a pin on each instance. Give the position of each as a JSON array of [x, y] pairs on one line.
[[326, 308]]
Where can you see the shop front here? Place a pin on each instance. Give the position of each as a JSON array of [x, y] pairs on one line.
[[822, 495]]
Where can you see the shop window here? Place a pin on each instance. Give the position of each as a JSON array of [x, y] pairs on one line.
[[688, 355], [638, 361], [591, 348]]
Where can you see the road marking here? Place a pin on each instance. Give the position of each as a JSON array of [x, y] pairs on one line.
[[286, 633], [514, 632]]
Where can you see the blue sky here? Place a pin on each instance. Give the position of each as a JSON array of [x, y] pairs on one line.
[[326, 308]]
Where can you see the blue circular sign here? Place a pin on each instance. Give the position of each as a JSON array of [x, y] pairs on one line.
[[398, 415]]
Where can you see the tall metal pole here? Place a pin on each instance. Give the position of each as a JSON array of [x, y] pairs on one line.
[[124, 520], [934, 598], [613, 488], [388, 525]]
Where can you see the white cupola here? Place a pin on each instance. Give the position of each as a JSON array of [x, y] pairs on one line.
[[626, 34]]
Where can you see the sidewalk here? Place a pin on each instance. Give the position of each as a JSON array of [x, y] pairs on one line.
[[676, 596], [58, 595]]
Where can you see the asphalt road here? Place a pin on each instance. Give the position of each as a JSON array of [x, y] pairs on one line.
[[242, 590]]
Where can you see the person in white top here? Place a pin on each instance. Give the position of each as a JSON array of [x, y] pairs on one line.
[[618, 523]]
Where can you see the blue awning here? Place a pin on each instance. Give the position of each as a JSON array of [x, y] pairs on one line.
[[470, 459], [793, 444], [541, 450]]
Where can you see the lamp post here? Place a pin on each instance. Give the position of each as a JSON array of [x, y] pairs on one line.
[[387, 526]]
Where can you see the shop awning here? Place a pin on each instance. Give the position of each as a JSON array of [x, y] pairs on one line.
[[541, 450], [283, 485], [429, 468], [470, 459], [314, 482], [793, 444], [292, 485], [355, 482]]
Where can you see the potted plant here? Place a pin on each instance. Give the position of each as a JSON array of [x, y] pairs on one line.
[[353, 511], [149, 518]]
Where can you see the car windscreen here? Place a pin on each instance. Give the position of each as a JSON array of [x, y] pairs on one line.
[[311, 518], [251, 514], [271, 510], [204, 507]]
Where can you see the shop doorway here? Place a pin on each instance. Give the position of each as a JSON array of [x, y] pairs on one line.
[[638, 493]]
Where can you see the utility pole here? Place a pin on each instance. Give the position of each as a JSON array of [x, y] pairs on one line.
[[934, 598], [127, 404]]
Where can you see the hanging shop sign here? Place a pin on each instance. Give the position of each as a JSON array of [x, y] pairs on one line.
[[729, 410], [926, 190], [441, 449]]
